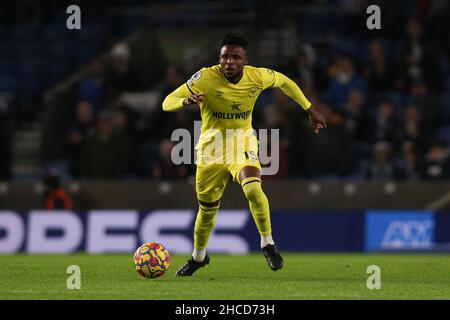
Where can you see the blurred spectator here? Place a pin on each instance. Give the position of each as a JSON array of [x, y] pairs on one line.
[[410, 162], [393, 15], [120, 120], [82, 129], [164, 169], [106, 153], [6, 136], [437, 14], [343, 79], [164, 123], [420, 62], [309, 75], [274, 116], [357, 117], [283, 158], [379, 73], [387, 125], [437, 162], [381, 166], [415, 129], [92, 88], [425, 102], [391, 98], [353, 10], [55, 196], [283, 114], [330, 152], [124, 122], [121, 75]]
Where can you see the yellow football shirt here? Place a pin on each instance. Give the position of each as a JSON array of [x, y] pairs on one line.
[[227, 105]]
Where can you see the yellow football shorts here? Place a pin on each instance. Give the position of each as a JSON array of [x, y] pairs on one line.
[[212, 178]]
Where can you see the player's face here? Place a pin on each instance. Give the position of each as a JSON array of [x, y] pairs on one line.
[[232, 60]]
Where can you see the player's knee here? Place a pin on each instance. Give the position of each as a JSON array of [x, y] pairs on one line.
[[208, 208], [209, 204]]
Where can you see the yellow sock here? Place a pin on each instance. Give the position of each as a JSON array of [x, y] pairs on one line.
[[204, 225], [258, 203]]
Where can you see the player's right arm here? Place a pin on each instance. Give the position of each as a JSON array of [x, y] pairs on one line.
[[192, 92], [180, 98]]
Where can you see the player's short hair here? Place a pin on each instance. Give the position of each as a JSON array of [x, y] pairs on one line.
[[234, 39]]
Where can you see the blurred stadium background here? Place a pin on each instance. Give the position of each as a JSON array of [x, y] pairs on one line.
[[81, 124]]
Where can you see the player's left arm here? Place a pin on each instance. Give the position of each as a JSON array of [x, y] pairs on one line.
[[276, 79]]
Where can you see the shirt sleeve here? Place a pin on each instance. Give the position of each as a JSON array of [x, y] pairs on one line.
[[274, 79], [196, 84], [174, 101]]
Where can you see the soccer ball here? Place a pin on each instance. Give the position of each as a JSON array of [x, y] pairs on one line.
[[151, 260]]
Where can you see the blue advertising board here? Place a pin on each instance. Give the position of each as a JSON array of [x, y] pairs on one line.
[[399, 230], [102, 231]]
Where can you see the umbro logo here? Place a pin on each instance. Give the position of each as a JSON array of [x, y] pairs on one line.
[[219, 93]]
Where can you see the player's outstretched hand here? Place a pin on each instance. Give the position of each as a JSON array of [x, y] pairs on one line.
[[317, 119], [195, 99]]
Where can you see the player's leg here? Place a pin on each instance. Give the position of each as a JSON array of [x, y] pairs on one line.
[[204, 225], [211, 181], [250, 179]]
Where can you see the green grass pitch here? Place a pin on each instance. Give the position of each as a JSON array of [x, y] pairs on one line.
[[305, 276]]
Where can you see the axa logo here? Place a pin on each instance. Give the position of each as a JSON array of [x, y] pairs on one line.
[[411, 234]]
